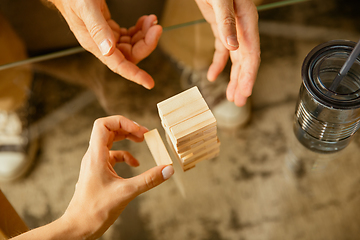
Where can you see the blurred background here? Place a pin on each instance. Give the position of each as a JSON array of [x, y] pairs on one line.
[[257, 188]]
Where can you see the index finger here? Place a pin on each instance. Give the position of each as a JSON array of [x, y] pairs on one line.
[[120, 65], [114, 128]]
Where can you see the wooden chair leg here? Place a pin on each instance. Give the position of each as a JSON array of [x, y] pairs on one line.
[[11, 223]]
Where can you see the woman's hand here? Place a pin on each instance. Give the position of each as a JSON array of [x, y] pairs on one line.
[[101, 195]]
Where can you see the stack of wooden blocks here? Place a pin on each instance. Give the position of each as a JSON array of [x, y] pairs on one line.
[[190, 127]]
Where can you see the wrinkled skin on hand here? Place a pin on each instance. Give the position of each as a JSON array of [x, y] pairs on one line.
[[118, 48], [235, 27]]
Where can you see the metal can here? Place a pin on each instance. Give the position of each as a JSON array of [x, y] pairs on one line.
[[326, 118]]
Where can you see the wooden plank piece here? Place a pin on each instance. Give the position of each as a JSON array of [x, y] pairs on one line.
[[193, 125], [189, 158], [157, 148], [194, 135], [197, 142], [168, 133], [182, 146], [175, 154], [182, 99], [184, 113], [209, 156], [198, 146], [186, 141]]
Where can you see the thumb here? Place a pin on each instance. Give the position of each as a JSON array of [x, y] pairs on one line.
[[152, 178], [226, 22], [99, 29]]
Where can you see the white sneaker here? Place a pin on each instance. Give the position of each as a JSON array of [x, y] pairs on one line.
[[16, 154], [230, 116]]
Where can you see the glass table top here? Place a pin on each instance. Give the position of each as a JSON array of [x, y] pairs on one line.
[[263, 185]]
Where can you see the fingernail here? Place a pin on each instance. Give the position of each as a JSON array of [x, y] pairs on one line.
[[232, 41], [155, 22], [136, 123], [105, 47], [167, 172]]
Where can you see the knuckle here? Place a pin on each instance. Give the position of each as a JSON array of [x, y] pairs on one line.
[[229, 21], [258, 55], [95, 31], [150, 181], [98, 122]]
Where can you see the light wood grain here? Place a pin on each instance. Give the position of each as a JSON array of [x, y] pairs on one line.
[[194, 125], [208, 156], [185, 112], [193, 149], [183, 145], [157, 148], [182, 99], [175, 154], [200, 152]]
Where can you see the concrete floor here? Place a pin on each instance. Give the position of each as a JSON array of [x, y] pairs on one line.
[[253, 190]]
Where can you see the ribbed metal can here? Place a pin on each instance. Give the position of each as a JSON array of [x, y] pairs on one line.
[[326, 119]]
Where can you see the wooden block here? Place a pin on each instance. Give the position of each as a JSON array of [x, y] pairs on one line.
[[171, 137], [157, 148], [190, 128], [209, 156], [175, 154], [193, 125], [211, 132], [186, 141], [191, 157], [194, 148], [183, 113], [182, 99], [195, 142]]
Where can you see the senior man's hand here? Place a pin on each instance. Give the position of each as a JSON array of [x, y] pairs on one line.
[[119, 48], [235, 27]]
